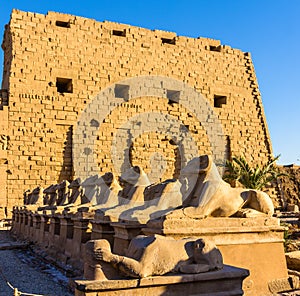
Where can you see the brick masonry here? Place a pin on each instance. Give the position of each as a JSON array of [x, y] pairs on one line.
[[55, 67]]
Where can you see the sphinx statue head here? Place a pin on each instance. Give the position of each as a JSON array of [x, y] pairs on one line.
[[135, 176]]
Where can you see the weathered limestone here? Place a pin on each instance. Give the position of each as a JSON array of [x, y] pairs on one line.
[[158, 199], [62, 193], [243, 242], [134, 182], [227, 281], [117, 206], [124, 232], [50, 196], [293, 260], [43, 238], [211, 196], [97, 192], [35, 197], [102, 229], [36, 227], [150, 255], [75, 193], [4, 146], [81, 234], [94, 268]]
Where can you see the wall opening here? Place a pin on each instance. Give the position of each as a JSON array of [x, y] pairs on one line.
[[173, 96], [62, 24], [122, 91], [121, 33], [219, 101], [168, 41], [64, 85], [215, 48]]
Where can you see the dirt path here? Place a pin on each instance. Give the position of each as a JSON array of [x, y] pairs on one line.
[[27, 273]]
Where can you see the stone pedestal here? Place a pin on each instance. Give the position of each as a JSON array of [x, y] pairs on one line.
[[26, 224], [102, 229], [65, 239], [82, 233], [227, 281], [36, 227], [124, 233], [66, 231], [53, 235], [252, 243], [23, 222], [30, 226], [16, 221], [43, 237]]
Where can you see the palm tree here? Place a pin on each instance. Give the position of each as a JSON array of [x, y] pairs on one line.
[[257, 177]]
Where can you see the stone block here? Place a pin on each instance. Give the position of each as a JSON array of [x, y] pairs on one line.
[[32, 90], [243, 242], [227, 281]]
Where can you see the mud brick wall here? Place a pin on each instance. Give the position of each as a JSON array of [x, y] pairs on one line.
[[55, 64]]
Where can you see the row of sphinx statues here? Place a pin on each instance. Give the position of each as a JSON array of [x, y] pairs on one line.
[[199, 192]]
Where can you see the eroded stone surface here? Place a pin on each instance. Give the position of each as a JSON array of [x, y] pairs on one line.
[[151, 255], [293, 260], [211, 196], [225, 281]]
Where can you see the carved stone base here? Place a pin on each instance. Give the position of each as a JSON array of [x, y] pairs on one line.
[[102, 230], [227, 281], [124, 233], [252, 243]]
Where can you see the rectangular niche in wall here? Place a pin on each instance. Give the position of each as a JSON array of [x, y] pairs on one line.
[[62, 24], [168, 41], [64, 85], [121, 33], [122, 91], [215, 48], [173, 96], [219, 101]]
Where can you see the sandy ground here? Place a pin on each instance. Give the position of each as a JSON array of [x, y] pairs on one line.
[[27, 273]]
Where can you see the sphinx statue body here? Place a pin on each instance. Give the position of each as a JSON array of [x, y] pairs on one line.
[[211, 196], [199, 192], [152, 255]]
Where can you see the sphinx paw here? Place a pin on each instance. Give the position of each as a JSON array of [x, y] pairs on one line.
[[193, 212]]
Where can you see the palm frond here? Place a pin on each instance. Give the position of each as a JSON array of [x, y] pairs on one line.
[[252, 177]]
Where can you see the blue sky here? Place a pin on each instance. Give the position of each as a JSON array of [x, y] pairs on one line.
[[269, 29]]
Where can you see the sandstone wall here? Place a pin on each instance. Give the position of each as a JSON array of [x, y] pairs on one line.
[[4, 142], [55, 65]]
